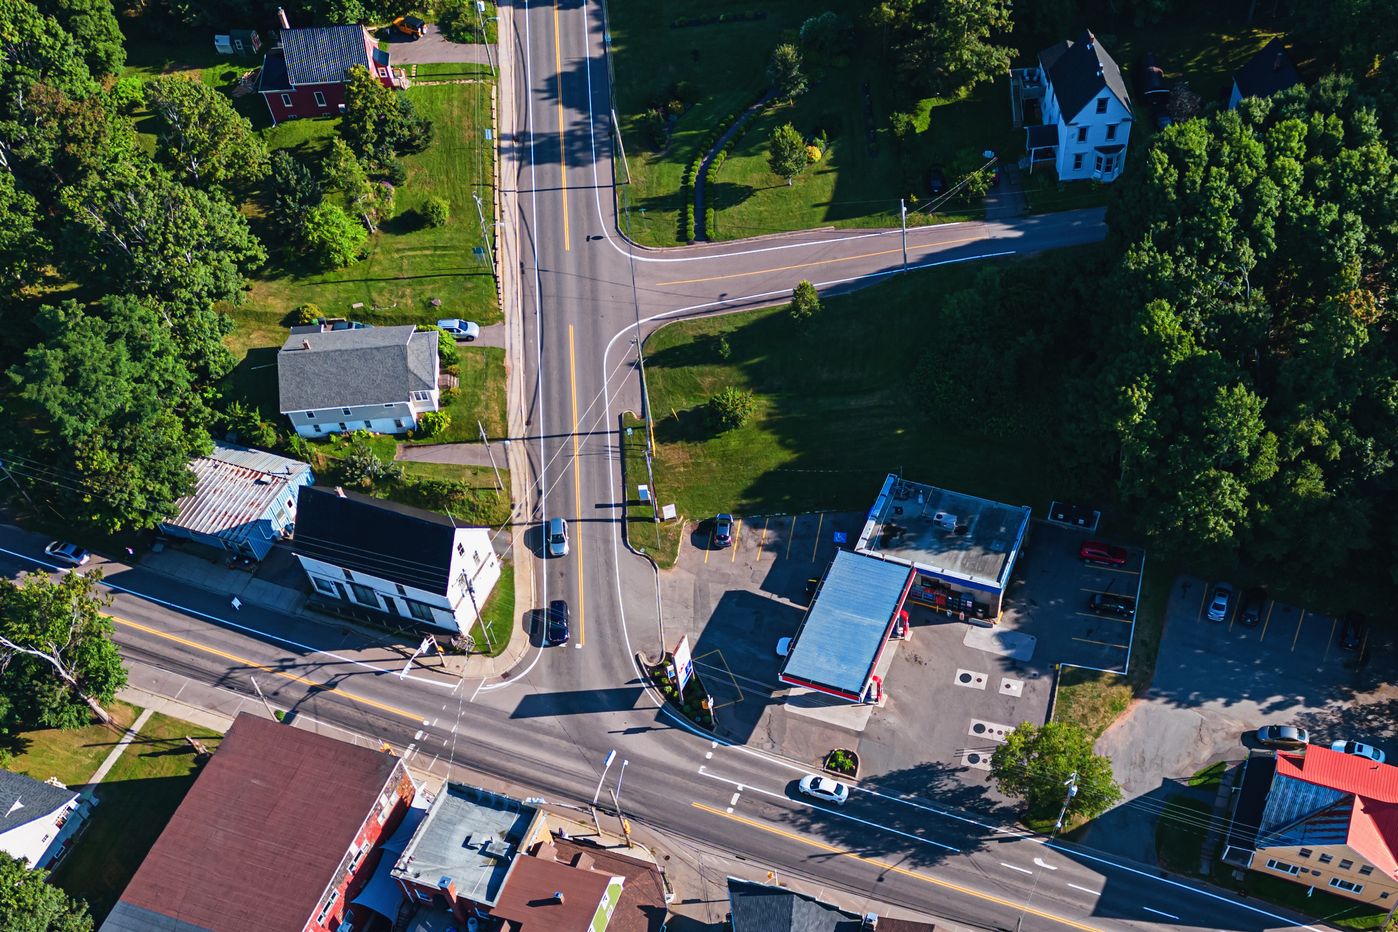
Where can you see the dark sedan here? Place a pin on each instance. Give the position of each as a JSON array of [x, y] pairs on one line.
[[1104, 603], [556, 628], [1353, 634], [1250, 609]]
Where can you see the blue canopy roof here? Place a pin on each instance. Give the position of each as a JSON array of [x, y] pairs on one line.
[[844, 630], [382, 893]]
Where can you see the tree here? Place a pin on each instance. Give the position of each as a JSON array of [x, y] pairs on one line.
[[731, 408], [93, 25], [784, 72], [941, 44], [432, 423], [787, 156], [805, 303], [334, 237], [30, 904], [362, 465], [201, 135], [380, 122], [23, 251], [245, 421], [58, 665], [1036, 763], [37, 51], [437, 211], [827, 34], [295, 193], [1359, 32], [968, 166]]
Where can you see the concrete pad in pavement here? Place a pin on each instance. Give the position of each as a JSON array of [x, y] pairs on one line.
[[433, 48]]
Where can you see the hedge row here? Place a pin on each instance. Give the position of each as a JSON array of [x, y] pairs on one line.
[[711, 137], [711, 176]]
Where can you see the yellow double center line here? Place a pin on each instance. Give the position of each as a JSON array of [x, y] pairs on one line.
[[322, 687], [562, 150], [884, 865], [577, 488]]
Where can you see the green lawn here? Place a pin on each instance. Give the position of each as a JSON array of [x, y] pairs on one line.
[[482, 384], [71, 756], [498, 613], [1321, 904], [1210, 777], [408, 263], [1180, 833], [835, 413], [136, 800], [661, 541], [452, 70]]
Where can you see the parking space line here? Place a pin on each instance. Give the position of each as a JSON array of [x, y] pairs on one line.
[[819, 524], [1270, 605], [1103, 617], [1333, 622], [762, 541], [792, 536], [1103, 643], [710, 546], [1298, 630], [737, 527], [1201, 603], [1117, 569]]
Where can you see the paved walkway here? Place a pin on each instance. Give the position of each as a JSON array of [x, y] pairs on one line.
[[458, 454], [130, 736], [434, 49], [1006, 201]]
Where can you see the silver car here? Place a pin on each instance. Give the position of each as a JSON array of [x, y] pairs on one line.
[[68, 553], [1362, 750], [461, 329], [1220, 603], [556, 535], [832, 791]]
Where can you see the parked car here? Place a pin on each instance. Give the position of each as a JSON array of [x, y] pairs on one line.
[[783, 646], [832, 791], [1357, 749], [464, 330], [1095, 551], [1283, 736], [1220, 602], [1104, 603], [556, 627], [1353, 634], [410, 26], [1250, 608], [723, 531], [937, 181], [557, 537], [68, 553]]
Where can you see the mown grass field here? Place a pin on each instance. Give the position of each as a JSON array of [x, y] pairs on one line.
[[492, 631], [71, 756]]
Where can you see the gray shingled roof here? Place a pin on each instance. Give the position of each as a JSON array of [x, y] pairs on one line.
[[24, 799], [323, 54], [1073, 69], [759, 908], [347, 368]]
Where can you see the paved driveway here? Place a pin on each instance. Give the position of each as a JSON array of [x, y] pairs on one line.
[[433, 48]]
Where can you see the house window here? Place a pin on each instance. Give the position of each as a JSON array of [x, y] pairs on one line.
[[368, 425], [1111, 131], [1346, 864], [383, 72], [1326, 859], [286, 100], [398, 422], [1283, 867], [460, 550], [419, 610], [316, 428], [422, 396], [1346, 885], [1082, 134], [329, 905], [310, 415], [388, 406], [364, 595], [345, 411], [1383, 896], [1366, 870], [325, 585], [1305, 852], [1077, 162], [1099, 163], [347, 921], [1101, 105], [320, 99], [387, 807], [343, 427], [423, 895], [401, 591]]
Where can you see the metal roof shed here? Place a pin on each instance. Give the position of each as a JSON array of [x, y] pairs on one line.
[[844, 632]]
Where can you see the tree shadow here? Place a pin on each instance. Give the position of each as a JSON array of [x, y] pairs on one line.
[[409, 221]]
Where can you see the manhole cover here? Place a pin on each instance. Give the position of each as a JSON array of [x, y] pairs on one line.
[[978, 728], [965, 677], [973, 758]]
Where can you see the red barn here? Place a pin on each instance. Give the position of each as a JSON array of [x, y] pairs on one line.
[[305, 76]]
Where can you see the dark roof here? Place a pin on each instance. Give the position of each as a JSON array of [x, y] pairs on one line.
[[395, 542], [1044, 136], [759, 908], [24, 799], [1267, 72], [845, 628], [1252, 800], [260, 835], [348, 368], [273, 77], [322, 55], [529, 903], [642, 907], [1078, 71]]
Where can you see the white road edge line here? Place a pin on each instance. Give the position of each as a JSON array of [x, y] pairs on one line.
[[1085, 889], [1022, 870], [1166, 915]]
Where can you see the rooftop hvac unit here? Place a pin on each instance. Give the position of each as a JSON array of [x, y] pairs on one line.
[[944, 521], [496, 849]]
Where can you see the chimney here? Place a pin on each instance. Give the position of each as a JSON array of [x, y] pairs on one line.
[[305, 344], [281, 18], [1090, 39], [558, 895]]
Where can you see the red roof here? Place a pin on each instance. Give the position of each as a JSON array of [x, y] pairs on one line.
[[261, 833], [1373, 833], [529, 904], [1348, 773]]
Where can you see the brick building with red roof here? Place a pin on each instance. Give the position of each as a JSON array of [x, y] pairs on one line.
[[1322, 819], [279, 832], [304, 76]]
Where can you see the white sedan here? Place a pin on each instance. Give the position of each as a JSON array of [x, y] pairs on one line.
[[1362, 750], [68, 553], [832, 791]]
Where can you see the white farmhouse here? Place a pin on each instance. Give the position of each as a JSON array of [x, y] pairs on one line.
[[1085, 107], [379, 379], [38, 820], [391, 563]]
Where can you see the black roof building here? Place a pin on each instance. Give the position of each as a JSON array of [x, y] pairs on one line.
[[1079, 71], [1266, 73]]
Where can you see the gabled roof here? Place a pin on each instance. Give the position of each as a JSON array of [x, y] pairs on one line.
[[395, 542], [260, 835], [273, 76], [349, 368], [642, 907], [1079, 71], [24, 799], [1267, 72], [1373, 833], [760, 908], [529, 902], [323, 54], [237, 487], [1348, 773]]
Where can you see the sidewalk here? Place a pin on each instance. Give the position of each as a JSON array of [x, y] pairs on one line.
[[214, 575]]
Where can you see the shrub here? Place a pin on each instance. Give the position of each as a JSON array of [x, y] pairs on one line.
[[805, 304], [749, 14], [433, 423], [395, 172], [813, 154], [333, 237], [362, 465], [437, 211], [681, 21], [724, 350], [308, 314], [653, 125], [709, 222], [731, 408], [450, 394], [128, 94], [675, 108], [688, 92], [724, 17]]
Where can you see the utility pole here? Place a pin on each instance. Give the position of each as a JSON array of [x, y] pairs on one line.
[[263, 698], [1072, 785], [485, 236], [499, 484], [903, 210]]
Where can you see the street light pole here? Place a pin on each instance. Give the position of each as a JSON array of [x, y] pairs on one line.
[[611, 756], [903, 211], [1072, 785]]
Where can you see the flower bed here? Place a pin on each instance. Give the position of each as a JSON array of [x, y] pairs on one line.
[[843, 762], [696, 704]]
